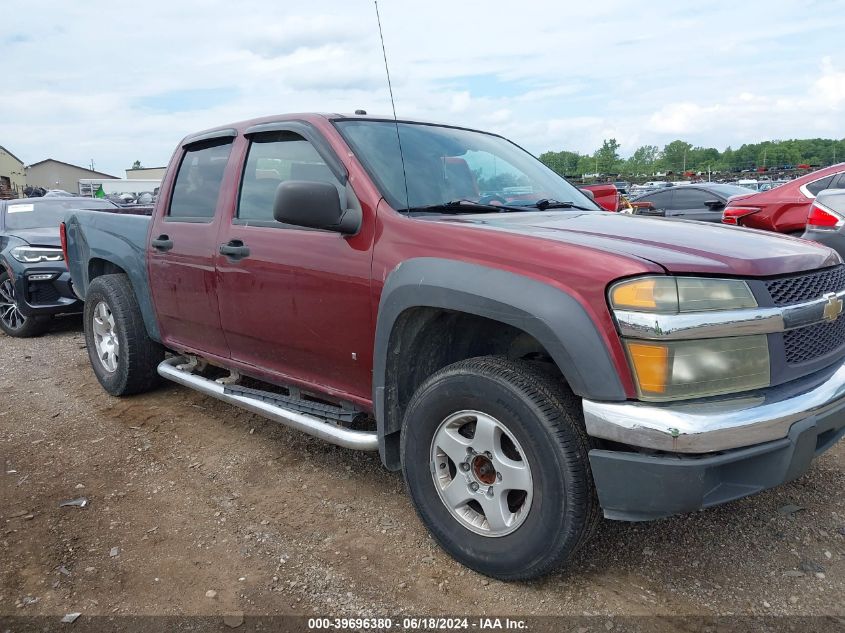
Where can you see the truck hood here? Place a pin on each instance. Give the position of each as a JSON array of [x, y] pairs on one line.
[[47, 236], [679, 246]]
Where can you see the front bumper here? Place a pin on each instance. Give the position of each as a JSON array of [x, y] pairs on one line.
[[683, 457], [720, 423], [37, 297]]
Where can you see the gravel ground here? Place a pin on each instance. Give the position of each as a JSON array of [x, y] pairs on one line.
[[199, 508]]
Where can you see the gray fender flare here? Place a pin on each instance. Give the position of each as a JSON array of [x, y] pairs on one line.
[[557, 320]]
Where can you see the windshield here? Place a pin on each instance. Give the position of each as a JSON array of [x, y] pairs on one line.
[[42, 213], [446, 164]]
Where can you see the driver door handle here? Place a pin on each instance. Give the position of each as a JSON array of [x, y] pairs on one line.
[[234, 249], [162, 243]]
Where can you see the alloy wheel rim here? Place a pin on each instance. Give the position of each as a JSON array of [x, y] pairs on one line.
[[481, 473], [105, 336], [9, 312]]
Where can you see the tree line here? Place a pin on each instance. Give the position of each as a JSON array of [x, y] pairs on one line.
[[680, 156]]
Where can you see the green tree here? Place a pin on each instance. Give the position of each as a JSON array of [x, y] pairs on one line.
[[643, 160], [136, 165], [607, 157], [675, 155], [564, 162]]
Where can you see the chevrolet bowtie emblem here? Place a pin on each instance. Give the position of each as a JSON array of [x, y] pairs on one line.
[[833, 307]]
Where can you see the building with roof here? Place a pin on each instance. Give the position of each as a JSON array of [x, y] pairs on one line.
[[12, 174], [145, 173], [55, 174]]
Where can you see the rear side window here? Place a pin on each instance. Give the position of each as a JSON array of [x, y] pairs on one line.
[[819, 185], [273, 159], [198, 181], [840, 183]]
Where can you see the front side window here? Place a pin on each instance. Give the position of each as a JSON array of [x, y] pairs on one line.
[[273, 159], [690, 198], [660, 200], [443, 165], [197, 185]]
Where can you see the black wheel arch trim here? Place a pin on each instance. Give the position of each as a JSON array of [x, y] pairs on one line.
[[556, 319]]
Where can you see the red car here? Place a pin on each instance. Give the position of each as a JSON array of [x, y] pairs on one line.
[[783, 209], [606, 195]]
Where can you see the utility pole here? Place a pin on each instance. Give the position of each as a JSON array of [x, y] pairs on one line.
[[92, 164]]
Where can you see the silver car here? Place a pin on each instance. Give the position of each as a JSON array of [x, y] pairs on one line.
[[826, 220]]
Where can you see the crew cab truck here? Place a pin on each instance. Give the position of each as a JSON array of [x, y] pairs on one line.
[[528, 362]]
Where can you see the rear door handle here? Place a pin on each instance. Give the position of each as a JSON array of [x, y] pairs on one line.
[[162, 243], [234, 249]]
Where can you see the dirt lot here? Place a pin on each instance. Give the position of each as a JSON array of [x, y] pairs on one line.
[[199, 497]]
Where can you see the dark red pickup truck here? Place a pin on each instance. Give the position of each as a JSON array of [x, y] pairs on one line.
[[526, 360]]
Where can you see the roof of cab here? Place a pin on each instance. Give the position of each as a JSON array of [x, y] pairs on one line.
[[311, 117]]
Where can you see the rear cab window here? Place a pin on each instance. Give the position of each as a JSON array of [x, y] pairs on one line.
[[197, 185]]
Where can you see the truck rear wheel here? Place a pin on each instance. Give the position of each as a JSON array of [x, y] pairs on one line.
[[123, 356], [494, 454]]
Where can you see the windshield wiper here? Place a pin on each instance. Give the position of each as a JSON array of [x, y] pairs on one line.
[[464, 206], [546, 203]]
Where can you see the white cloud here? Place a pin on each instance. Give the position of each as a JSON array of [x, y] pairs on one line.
[[550, 76]]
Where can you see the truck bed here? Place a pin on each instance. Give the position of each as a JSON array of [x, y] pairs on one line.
[[116, 241]]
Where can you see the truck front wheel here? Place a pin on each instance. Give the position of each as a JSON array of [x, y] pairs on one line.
[[494, 454], [123, 356]]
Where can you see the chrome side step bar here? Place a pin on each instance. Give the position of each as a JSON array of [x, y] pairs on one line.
[[357, 440]]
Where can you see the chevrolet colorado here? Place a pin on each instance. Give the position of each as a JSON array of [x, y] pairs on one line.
[[528, 361]]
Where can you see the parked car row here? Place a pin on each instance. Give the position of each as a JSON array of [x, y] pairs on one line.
[[703, 202], [34, 281], [527, 360], [783, 209]]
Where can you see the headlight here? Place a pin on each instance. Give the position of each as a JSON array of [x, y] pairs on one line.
[[671, 295], [674, 370], [36, 254], [683, 369]]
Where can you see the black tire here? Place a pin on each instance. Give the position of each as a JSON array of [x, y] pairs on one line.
[[138, 356], [21, 326], [545, 419]]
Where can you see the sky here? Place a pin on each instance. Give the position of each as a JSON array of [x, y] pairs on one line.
[[107, 82]]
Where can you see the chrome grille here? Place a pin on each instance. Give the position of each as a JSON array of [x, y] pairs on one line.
[[799, 288]]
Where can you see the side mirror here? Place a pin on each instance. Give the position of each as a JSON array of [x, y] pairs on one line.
[[314, 205], [589, 194], [714, 205]]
